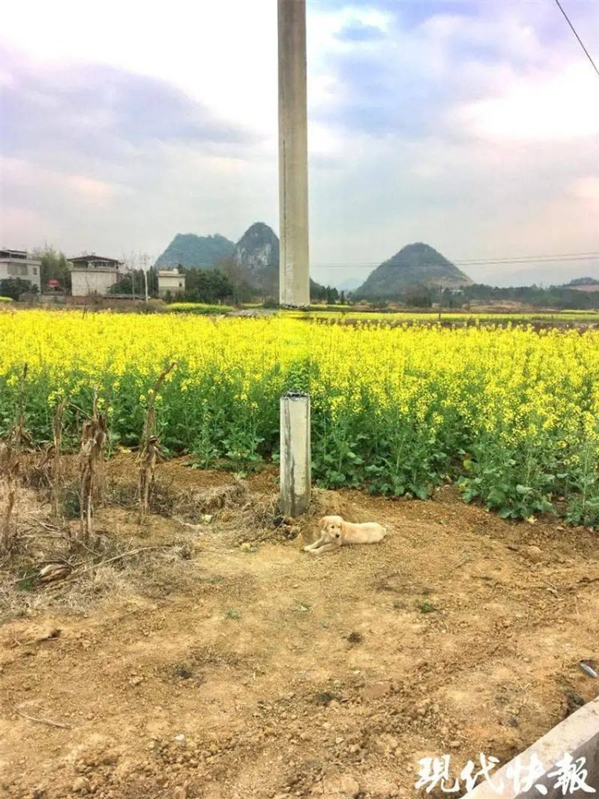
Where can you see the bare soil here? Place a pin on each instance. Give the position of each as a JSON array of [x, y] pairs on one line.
[[227, 663]]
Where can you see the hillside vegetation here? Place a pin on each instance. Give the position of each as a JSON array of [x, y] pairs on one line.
[[414, 265], [190, 250]]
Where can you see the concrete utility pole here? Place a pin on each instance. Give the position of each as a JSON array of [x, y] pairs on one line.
[[144, 266], [294, 269]]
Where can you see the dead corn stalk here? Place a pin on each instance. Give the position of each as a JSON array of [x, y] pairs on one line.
[[10, 451], [9, 470], [49, 466], [57, 443], [93, 439], [150, 446]]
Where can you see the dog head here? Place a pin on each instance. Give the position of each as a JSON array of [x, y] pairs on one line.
[[332, 527]]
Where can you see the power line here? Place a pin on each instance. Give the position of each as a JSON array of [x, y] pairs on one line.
[[574, 256], [526, 259], [577, 36]]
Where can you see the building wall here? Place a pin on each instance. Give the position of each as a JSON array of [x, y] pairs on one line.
[[29, 269], [174, 283], [92, 281]]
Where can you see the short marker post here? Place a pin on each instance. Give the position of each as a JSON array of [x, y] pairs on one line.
[[295, 454]]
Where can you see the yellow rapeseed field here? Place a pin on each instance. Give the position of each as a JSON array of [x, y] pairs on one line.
[[511, 414]]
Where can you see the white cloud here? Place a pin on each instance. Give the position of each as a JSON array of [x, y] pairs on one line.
[[563, 105], [221, 53]]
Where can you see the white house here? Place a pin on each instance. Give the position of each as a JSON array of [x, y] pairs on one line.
[[171, 282], [93, 274], [17, 264]]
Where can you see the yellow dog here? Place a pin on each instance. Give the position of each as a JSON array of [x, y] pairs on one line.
[[335, 532]]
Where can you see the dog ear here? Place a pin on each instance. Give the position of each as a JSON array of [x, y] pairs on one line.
[[322, 522]]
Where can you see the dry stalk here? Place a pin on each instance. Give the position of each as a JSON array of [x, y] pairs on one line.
[[10, 450], [150, 451], [57, 443], [49, 722], [93, 439], [9, 469]]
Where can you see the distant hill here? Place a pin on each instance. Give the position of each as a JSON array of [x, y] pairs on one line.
[[582, 281], [256, 256], [191, 251], [414, 265], [351, 284], [588, 284]]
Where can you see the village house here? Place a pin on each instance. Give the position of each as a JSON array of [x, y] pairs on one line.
[[18, 264], [94, 274], [170, 281]]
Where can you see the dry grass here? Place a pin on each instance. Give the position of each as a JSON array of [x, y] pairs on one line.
[[49, 565], [52, 570], [54, 567]]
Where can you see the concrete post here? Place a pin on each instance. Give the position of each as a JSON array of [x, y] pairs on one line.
[[295, 454], [577, 736], [294, 271], [294, 268]]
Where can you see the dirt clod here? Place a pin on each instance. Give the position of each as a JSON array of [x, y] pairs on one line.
[[341, 785], [355, 638], [377, 690], [533, 553]]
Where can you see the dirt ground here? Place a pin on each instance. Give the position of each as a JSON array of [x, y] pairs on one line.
[[226, 663]]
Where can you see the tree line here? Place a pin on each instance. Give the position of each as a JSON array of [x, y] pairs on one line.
[[226, 282]]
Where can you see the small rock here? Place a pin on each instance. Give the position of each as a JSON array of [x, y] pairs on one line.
[[79, 785], [376, 690], [574, 701], [136, 680], [343, 785], [97, 781], [533, 554], [180, 792], [454, 744]]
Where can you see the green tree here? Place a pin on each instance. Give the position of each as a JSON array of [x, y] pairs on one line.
[[241, 290], [419, 297], [13, 287], [133, 282], [207, 285], [54, 267], [331, 295]]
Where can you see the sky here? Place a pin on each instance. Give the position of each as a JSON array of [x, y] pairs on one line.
[[471, 126]]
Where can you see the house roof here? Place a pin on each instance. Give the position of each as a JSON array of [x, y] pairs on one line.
[[5, 253], [85, 259]]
